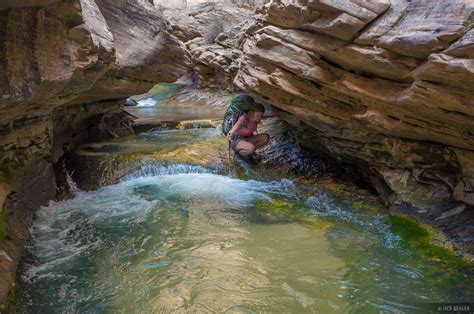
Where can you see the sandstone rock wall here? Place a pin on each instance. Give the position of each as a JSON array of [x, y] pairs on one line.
[[65, 68], [383, 85], [386, 85], [213, 32]]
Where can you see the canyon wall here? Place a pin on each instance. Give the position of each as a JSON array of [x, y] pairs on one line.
[[65, 69], [384, 86], [212, 33]]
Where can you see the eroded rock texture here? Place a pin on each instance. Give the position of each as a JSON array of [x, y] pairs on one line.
[[213, 33], [65, 68], [384, 85]]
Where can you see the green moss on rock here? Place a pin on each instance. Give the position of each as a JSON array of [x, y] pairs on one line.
[[420, 237], [279, 210], [7, 305], [67, 97]]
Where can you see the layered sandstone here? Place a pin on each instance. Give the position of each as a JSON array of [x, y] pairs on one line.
[[213, 32], [384, 85], [65, 69]]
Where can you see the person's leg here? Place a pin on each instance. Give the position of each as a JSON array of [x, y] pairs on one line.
[[244, 148], [259, 140]]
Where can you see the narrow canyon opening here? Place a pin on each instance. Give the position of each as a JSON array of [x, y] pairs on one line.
[[120, 191]]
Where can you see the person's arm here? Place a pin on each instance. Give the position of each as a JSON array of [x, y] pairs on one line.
[[235, 128]]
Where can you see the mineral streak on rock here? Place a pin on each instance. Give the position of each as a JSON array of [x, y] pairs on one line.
[[386, 86]]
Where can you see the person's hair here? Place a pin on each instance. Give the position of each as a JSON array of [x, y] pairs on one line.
[[244, 98], [256, 107]]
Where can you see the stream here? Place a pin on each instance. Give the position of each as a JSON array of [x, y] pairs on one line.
[[175, 227]]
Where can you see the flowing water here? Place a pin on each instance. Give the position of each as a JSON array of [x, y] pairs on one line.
[[179, 230]]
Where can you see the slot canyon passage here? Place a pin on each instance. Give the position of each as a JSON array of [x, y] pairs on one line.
[[119, 192]]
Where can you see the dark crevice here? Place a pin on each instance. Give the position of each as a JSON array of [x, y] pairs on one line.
[[455, 112], [394, 118], [369, 24]]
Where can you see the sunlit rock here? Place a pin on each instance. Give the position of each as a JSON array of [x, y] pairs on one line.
[[383, 85]]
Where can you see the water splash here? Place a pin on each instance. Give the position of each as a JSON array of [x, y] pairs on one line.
[[73, 188], [175, 237], [157, 169], [147, 102], [61, 229], [322, 204]]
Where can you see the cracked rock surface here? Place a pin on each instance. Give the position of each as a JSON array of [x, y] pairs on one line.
[[385, 86]]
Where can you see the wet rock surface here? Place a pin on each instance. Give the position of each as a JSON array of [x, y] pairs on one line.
[[66, 68], [168, 105], [381, 86], [379, 259]]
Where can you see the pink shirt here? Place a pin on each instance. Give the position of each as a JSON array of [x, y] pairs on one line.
[[247, 130]]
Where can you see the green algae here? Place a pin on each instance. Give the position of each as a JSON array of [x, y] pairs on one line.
[[279, 210], [335, 187], [67, 97], [276, 233], [113, 159], [366, 207], [8, 304], [420, 237]]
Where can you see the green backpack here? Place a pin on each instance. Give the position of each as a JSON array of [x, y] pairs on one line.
[[239, 105]]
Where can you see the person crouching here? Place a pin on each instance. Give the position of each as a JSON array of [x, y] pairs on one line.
[[242, 138]]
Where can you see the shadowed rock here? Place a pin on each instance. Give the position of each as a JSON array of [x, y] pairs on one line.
[[66, 68], [383, 85]]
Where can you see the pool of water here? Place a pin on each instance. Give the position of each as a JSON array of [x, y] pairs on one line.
[[177, 102], [182, 230]]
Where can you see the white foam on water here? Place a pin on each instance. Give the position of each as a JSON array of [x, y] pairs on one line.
[[323, 205], [66, 230], [72, 185], [209, 185], [147, 102], [154, 170]]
